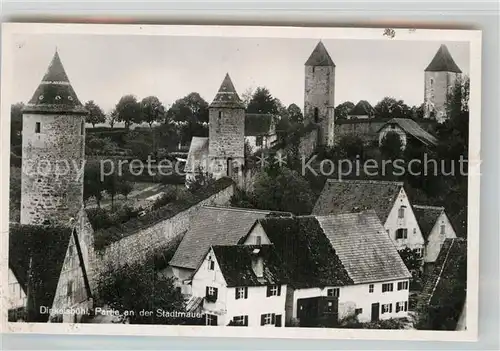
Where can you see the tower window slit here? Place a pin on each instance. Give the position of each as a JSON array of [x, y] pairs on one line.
[[316, 115], [37, 127]]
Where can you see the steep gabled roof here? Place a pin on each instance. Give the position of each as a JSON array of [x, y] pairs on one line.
[[213, 226], [235, 262], [443, 62], [414, 129], [55, 93], [258, 124], [363, 246], [346, 196], [227, 97], [308, 257], [45, 247], [362, 108], [427, 217], [320, 57], [197, 155]]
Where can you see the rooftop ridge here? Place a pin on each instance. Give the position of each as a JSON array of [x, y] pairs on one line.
[[428, 207], [345, 214], [366, 181], [239, 209]]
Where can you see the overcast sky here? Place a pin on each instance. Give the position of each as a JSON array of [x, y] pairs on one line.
[[103, 68]]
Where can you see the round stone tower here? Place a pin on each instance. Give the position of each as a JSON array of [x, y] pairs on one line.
[[226, 131], [319, 93], [53, 141], [440, 78]]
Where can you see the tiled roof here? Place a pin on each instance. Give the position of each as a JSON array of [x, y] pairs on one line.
[[363, 246], [427, 217], [308, 257], [227, 97], [363, 107], [235, 262], [197, 155], [45, 247], [194, 303], [443, 62], [55, 93], [346, 196], [320, 57], [258, 124], [449, 275], [213, 226], [413, 128]]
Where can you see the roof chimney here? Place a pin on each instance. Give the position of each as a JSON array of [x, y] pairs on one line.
[[257, 263]]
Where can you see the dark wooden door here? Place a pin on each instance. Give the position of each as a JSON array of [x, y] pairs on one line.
[[375, 311]]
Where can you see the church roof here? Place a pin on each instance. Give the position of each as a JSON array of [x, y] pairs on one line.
[[443, 62], [55, 93], [320, 57], [227, 97]]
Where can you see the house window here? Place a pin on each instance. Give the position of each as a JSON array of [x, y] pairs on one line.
[[211, 294], [414, 230], [387, 287], [329, 307], [82, 128], [443, 229], [259, 140], [211, 319], [211, 264], [267, 319], [358, 311], [419, 251], [370, 288], [273, 290], [403, 285], [316, 115], [387, 308], [335, 292], [432, 81], [402, 306], [241, 293], [401, 212], [241, 321], [402, 233], [258, 240], [37, 127]]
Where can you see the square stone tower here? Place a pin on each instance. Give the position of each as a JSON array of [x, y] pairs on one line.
[[440, 78], [226, 131], [53, 142], [319, 94]]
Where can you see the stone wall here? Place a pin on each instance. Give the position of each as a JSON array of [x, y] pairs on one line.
[[137, 247], [308, 143], [365, 129], [320, 93], [52, 168]]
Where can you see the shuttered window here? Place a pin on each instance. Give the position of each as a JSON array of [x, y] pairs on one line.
[[241, 293], [273, 290]]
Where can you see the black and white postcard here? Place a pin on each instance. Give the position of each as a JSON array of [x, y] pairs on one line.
[[278, 182]]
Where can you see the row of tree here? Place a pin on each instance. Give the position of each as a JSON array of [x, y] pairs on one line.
[[388, 107]]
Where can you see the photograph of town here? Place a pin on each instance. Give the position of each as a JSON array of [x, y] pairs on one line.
[[239, 181]]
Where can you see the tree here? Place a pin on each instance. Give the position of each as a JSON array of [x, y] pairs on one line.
[[92, 184], [295, 114], [191, 108], [95, 114], [16, 127], [411, 259], [112, 118], [95, 145], [391, 146], [389, 107], [15, 194], [152, 110], [133, 288], [282, 189], [263, 102], [125, 188], [417, 112], [247, 96], [128, 110], [201, 180], [342, 110], [350, 146]]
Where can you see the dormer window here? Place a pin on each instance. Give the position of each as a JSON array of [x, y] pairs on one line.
[[37, 127]]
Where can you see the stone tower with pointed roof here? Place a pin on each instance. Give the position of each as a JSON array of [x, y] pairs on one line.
[[53, 140], [226, 131], [440, 77], [319, 93]]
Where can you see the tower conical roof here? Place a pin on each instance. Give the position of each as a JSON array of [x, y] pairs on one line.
[[227, 97], [443, 62], [320, 57], [55, 93]]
